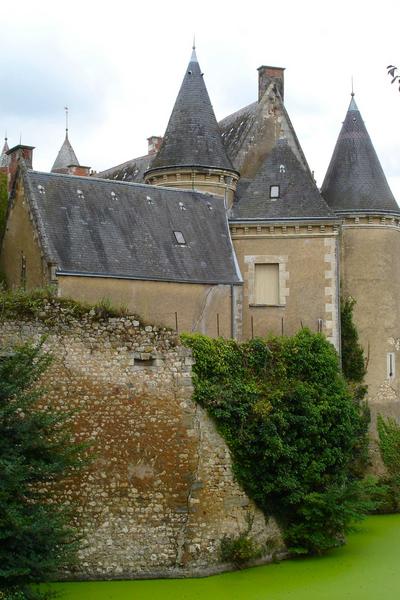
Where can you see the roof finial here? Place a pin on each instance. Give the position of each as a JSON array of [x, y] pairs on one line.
[[193, 58], [5, 136], [352, 88], [66, 120], [20, 138]]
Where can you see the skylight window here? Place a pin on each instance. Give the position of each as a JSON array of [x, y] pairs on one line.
[[179, 238], [274, 192]]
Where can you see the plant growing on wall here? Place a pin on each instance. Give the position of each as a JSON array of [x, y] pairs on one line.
[[293, 427], [353, 361], [36, 451], [389, 447], [3, 202]]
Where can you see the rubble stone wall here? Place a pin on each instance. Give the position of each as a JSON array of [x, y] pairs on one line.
[[159, 495]]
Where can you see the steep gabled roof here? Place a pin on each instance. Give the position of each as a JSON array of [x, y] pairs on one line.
[[4, 159], [65, 157], [192, 137], [298, 194], [131, 171], [355, 179], [104, 228]]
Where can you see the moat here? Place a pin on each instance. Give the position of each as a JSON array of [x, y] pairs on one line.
[[365, 569]]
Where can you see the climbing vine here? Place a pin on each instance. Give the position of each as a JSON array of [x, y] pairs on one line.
[[293, 427]]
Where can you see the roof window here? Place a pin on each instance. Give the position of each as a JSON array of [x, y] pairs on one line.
[[274, 192], [114, 196], [182, 206], [41, 189], [80, 194], [179, 238]]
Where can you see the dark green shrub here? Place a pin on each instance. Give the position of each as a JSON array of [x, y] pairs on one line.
[[36, 451], [239, 550], [293, 427]]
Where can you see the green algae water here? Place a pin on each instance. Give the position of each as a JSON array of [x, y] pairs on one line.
[[367, 568]]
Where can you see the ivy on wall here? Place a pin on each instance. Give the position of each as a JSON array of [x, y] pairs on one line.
[[294, 430]]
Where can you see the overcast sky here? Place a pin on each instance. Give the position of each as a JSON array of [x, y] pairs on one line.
[[119, 65]]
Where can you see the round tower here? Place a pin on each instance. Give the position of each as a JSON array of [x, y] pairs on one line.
[[356, 188], [192, 154]]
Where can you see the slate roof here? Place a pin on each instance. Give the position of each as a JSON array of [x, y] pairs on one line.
[[131, 170], [91, 226], [235, 127], [192, 137], [355, 179], [4, 159], [65, 157], [298, 194]]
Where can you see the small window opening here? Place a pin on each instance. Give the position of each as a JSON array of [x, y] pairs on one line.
[[319, 325], [143, 363], [179, 238], [391, 365], [274, 192]]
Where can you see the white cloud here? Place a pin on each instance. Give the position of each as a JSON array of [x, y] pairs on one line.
[[119, 66]]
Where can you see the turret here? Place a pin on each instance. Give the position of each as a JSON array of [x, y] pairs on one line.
[[355, 179], [355, 187], [192, 154]]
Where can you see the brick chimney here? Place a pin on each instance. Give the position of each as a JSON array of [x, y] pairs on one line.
[[154, 142], [78, 170], [266, 75], [17, 154]]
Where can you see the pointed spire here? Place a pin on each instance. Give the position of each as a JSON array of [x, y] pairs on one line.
[[66, 155], [4, 159], [355, 179], [192, 137], [193, 58]]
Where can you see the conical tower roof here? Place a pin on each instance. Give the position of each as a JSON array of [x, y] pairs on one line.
[[355, 179], [65, 157], [281, 189], [4, 159], [192, 137]]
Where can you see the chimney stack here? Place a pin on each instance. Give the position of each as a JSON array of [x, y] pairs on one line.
[[154, 142], [267, 75], [79, 170], [17, 154]]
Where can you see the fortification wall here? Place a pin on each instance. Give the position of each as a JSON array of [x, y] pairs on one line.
[[159, 495]]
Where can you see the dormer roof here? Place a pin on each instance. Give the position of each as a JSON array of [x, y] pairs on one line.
[[65, 157], [192, 137], [355, 179]]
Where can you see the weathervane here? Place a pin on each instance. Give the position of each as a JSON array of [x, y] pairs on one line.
[[66, 119]]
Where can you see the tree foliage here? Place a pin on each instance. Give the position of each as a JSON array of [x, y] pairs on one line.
[[393, 73], [293, 427], [36, 451]]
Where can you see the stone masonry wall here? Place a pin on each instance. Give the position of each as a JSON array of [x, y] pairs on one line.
[[159, 495]]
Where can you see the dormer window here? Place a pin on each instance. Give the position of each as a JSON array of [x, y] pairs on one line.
[[274, 192], [179, 238]]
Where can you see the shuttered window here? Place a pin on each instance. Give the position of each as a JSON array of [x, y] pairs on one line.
[[266, 283]]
